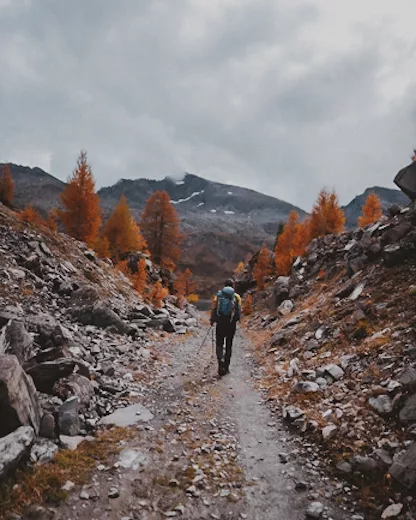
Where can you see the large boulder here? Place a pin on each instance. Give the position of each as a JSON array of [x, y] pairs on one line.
[[19, 404], [404, 468], [77, 385], [17, 341], [102, 316], [406, 180], [14, 447], [408, 412], [281, 289], [46, 374]]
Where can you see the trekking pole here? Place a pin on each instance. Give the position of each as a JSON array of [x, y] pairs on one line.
[[203, 343], [212, 342]]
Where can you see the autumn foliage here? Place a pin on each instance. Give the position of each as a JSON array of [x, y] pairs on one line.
[[30, 215], [6, 186], [160, 227], [239, 268], [158, 293], [248, 305], [371, 210], [82, 214], [122, 232], [185, 286], [263, 267], [291, 243], [139, 279], [327, 216], [101, 246]]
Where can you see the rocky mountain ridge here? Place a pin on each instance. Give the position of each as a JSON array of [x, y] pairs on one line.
[[222, 224]]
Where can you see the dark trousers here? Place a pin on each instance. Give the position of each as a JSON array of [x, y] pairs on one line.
[[225, 331]]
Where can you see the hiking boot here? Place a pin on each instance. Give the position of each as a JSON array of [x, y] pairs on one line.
[[221, 369]]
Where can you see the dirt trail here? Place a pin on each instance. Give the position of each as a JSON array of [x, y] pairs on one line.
[[213, 450]]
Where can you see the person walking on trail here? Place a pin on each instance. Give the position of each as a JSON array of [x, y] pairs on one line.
[[225, 312]]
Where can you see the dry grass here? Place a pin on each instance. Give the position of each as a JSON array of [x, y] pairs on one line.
[[43, 483]]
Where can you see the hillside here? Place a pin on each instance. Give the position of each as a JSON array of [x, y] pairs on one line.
[[335, 343], [221, 223]]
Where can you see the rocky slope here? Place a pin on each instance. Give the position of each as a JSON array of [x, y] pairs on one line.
[[336, 346], [76, 342]]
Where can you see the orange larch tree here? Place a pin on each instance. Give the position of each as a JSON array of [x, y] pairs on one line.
[[82, 214], [6, 186], [122, 233], [101, 246], [371, 210], [291, 243], [327, 216], [239, 268], [263, 267], [160, 227], [139, 279], [158, 294], [185, 286], [29, 214]]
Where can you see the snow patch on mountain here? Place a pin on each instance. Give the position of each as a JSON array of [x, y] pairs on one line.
[[200, 204], [229, 212], [213, 211], [194, 194]]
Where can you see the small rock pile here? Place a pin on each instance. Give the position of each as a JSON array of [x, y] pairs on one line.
[[76, 341], [339, 350]]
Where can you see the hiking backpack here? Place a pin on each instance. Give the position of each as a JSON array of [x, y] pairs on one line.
[[226, 302]]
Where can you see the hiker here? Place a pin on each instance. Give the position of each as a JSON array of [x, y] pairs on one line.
[[225, 312]]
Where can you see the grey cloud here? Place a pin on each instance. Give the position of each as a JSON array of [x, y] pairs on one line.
[[230, 90]]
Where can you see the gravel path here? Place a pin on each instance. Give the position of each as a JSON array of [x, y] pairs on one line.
[[213, 450]]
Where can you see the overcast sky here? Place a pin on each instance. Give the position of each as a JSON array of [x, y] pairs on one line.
[[282, 96]]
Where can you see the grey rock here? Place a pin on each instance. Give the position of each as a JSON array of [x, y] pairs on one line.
[[113, 492], [43, 451], [128, 416], [281, 289], [332, 370], [292, 413], [384, 457], [315, 510], [382, 404], [365, 465], [47, 426], [72, 442], [286, 307], [19, 404], [344, 467], [14, 447], [103, 317], [408, 412], [328, 432], [396, 233], [392, 511], [407, 377], [69, 423], [403, 468], [18, 342], [306, 387], [46, 374], [130, 458], [77, 385]]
